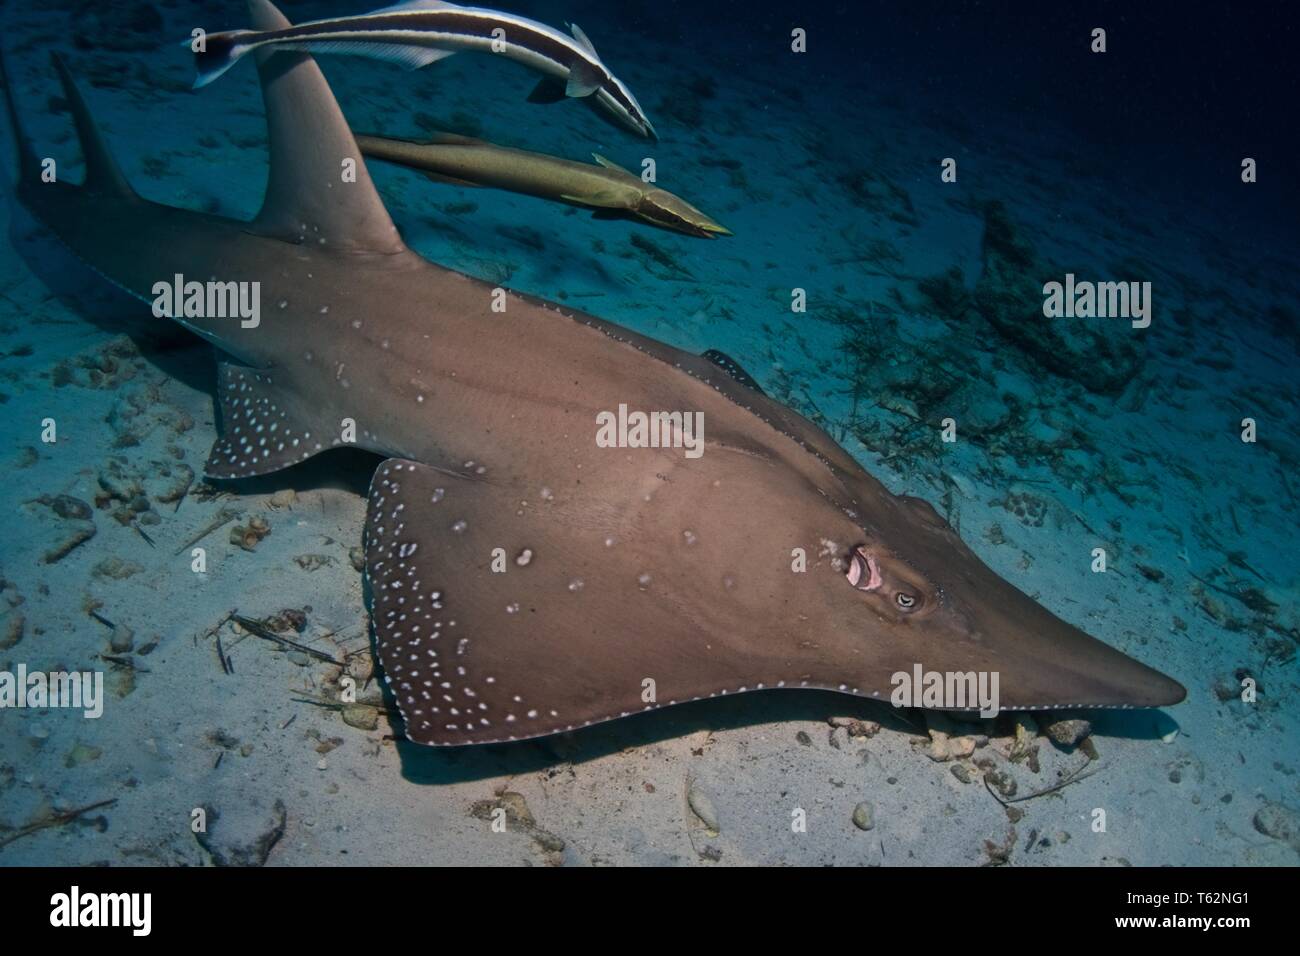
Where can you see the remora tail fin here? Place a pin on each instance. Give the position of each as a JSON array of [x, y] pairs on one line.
[[220, 52], [308, 199]]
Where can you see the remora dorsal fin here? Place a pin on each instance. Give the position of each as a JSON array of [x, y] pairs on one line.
[[263, 426], [102, 172], [614, 167], [583, 39], [306, 197]]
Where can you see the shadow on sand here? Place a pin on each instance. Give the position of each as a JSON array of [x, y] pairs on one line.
[[444, 765]]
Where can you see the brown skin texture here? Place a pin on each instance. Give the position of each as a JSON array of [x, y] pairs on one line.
[[695, 590]]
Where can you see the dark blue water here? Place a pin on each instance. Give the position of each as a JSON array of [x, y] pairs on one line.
[[924, 303]]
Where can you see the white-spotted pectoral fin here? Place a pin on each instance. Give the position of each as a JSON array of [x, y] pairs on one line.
[[262, 426], [497, 619]]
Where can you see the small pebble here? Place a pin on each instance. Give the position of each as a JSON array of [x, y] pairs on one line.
[[703, 808], [360, 716], [1278, 821], [81, 753], [1068, 733], [122, 640], [284, 498], [13, 624], [80, 532], [115, 568], [66, 506]]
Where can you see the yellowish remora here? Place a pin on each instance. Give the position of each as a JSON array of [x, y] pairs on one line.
[[607, 188]]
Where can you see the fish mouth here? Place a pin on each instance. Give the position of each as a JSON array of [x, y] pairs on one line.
[[630, 121], [863, 573], [608, 108], [700, 223], [671, 212], [700, 230]]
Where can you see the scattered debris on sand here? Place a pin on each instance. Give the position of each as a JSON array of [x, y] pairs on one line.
[[242, 835]]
